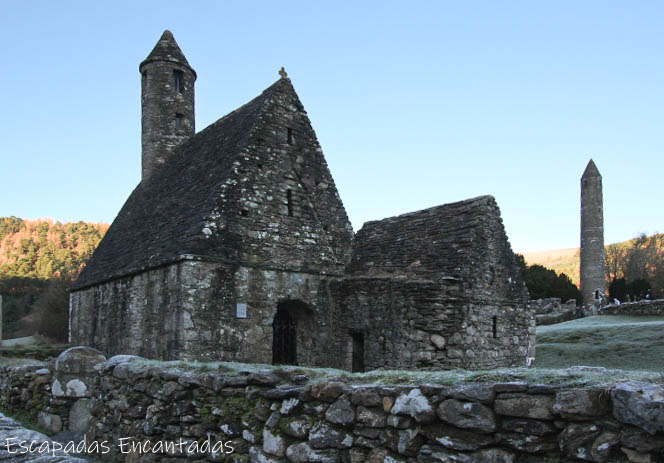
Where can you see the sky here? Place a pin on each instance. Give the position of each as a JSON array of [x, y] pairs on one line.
[[415, 104]]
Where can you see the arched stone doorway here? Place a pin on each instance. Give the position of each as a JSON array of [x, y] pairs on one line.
[[284, 338], [292, 333]]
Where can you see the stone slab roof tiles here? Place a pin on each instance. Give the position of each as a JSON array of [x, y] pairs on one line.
[[464, 240], [164, 217]]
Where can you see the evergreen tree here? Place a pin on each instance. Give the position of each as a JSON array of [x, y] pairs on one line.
[[544, 283]]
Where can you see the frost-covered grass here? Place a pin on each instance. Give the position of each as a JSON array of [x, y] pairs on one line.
[[19, 361], [528, 375], [568, 377], [39, 351], [611, 341]]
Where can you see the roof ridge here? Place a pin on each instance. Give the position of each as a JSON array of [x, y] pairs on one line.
[[476, 199]]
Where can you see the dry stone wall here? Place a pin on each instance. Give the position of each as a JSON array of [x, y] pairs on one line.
[[655, 307], [550, 311], [266, 416]]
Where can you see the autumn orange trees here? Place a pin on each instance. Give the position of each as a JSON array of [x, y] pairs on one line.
[[40, 258]]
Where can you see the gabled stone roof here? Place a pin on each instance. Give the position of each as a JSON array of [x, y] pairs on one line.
[[460, 240], [167, 49], [164, 218]]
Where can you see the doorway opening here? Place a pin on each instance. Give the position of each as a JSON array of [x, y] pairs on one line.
[[284, 338], [358, 352]]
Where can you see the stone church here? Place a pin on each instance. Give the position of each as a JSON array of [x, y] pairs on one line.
[[236, 246]]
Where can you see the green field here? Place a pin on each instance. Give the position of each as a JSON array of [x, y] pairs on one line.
[[611, 341]]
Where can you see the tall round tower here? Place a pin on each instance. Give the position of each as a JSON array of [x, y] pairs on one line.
[[593, 258], [167, 101]]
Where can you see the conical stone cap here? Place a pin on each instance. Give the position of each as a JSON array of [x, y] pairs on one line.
[[167, 49], [591, 171]]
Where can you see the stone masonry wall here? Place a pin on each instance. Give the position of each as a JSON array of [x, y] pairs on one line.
[[405, 324], [285, 416], [189, 311], [150, 314], [282, 202], [421, 324], [167, 117], [655, 307]]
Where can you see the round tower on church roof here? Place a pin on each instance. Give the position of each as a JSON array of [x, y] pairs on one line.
[[167, 102]]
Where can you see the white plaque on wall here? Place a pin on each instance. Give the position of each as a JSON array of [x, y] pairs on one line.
[[241, 310]]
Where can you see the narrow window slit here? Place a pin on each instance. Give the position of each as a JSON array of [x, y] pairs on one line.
[[290, 136], [289, 199], [179, 120], [495, 327], [178, 81]]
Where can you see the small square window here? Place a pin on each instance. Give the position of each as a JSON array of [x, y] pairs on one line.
[[241, 310]]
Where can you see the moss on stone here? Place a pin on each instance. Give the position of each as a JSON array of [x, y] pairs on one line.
[[207, 418]]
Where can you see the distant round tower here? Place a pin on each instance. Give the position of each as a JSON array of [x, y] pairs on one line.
[[593, 258], [167, 100]]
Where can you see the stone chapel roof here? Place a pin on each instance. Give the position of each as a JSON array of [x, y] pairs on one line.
[[459, 240], [163, 219]]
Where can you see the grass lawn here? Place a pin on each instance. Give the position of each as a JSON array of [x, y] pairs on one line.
[[39, 349], [612, 341]]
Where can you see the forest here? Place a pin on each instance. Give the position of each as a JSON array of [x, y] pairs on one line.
[[39, 260], [634, 268]]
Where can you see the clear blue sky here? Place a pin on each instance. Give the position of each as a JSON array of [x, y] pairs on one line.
[[415, 103]]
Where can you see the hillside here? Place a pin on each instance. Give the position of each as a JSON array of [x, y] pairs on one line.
[[38, 256], [42, 248], [568, 261]]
